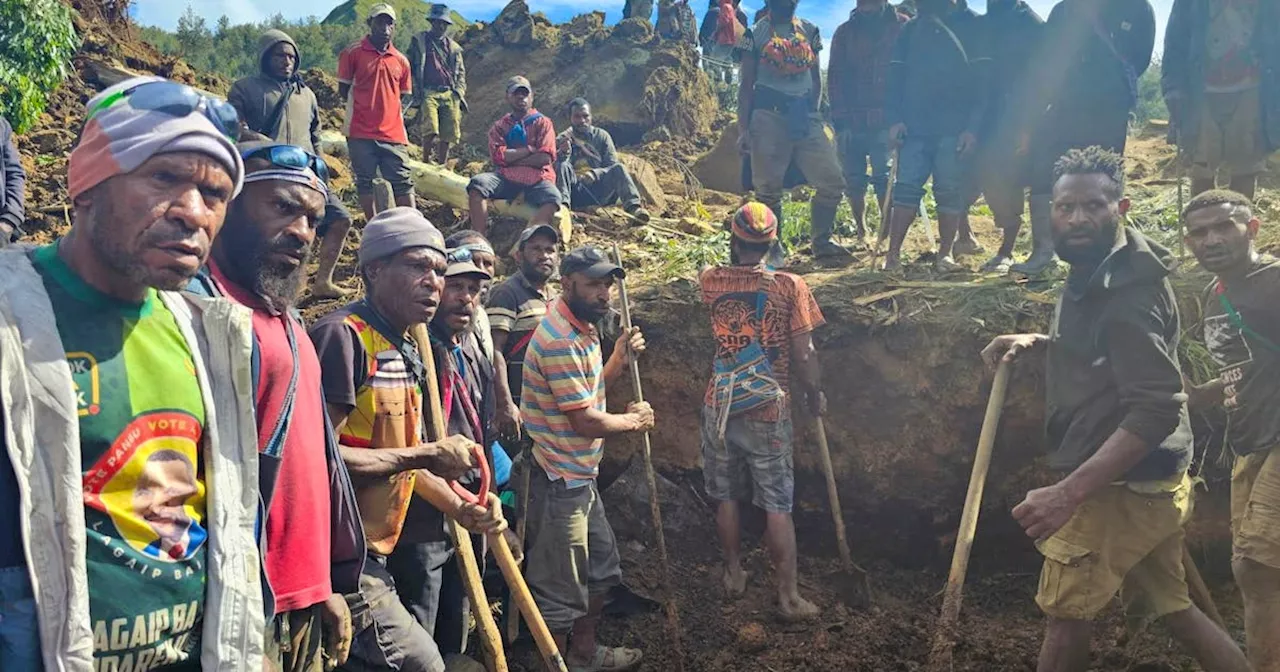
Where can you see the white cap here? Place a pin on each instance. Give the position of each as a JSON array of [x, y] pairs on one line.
[[382, 8]]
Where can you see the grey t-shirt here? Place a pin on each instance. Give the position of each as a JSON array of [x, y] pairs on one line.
[[766, 75], [1248, 357]]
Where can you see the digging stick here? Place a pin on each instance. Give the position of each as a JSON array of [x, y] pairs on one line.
[[1199, 591], [886, 207], [520, 594], [513, 616], [833, 496], [673, 617], [944, 635]]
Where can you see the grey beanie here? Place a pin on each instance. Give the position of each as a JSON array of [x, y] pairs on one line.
[[395, 230]]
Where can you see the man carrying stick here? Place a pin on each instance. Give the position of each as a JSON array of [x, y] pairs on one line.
[[572, 559], [1117, 427], [763, 322], [1242, 332], [373, 384]]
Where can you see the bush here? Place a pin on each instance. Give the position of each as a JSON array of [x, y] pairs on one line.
[[37, 41]]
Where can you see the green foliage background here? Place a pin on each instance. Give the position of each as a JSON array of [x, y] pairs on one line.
[[37, 41]]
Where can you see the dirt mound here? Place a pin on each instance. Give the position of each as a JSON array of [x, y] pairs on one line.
[[635, 85]]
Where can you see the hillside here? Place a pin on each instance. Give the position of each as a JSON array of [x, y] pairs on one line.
[[354, 11]]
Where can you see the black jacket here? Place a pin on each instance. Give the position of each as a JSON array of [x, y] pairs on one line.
[[1113, 363], [13, 181], [1086, 67], [1014, 33], [1186, 56], [938, 75]]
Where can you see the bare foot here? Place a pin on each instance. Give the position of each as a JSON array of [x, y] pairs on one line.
[[328, 290], [796, 609], [735, 582]]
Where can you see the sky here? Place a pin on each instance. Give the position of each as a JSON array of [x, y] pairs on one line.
[[827, 14]]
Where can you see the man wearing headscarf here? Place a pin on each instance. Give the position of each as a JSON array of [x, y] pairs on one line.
[[104, 366]]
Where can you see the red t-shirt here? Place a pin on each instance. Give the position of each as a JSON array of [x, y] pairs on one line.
[[298, 529], [377, 79]]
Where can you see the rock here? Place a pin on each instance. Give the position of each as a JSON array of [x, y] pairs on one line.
[[752, 638], [646, 178], [636, 30], [627, 501], [721, 168], [514, 25], [659, 134], [696, 227]]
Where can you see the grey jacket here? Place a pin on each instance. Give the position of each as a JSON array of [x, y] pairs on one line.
[[1185, 58], [421, 45], [42, 440], [13, 180], [256, 97]]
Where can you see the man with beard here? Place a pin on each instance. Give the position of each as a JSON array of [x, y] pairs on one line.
[[1117, 427], [587, 170], [522, 146], [1242, 332], [516, 308], [572, 561], [278, 106], [314, 543], [934, 107], [746, 418], [102, 365], [779, 120], [373, 386]]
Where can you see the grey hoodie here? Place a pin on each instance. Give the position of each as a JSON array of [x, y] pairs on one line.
[[256, 97], [1113, 363]]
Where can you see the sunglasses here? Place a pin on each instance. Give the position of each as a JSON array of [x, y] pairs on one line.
[[176, 100], [290, 156], [459, 255]]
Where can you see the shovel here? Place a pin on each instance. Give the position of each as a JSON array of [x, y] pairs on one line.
[[944, 635]]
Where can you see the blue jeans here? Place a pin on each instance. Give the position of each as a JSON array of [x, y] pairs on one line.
[[856, 149], [19, 630], [921, 157]]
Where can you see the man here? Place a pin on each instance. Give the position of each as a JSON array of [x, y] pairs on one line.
[[149, 184], [1117, 426], [720, 39], [439, 85], [279, 106], [376, 81], [1014, 31], [516, 308], [314, 543], [935, 103], [1220, 73], [13, 181], [779, 122], [588, 172], [373, 379], [746, 428], [1086, 82], [522, 145], [483, 256], [572, 560], [1242, 332], [859, 69]]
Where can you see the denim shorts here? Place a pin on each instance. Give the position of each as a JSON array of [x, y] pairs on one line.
[[922, 156], [753, 459], [495, 187], [19, 629]]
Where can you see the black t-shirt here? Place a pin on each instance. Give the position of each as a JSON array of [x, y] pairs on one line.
[[1247, 352]]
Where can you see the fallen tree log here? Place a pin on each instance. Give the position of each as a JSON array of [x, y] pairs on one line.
[[441, 184]]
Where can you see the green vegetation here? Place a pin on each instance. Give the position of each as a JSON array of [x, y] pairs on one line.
[[37, 41], [232, 50], [1150, 100]]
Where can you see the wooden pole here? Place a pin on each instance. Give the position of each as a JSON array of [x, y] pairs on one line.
[[833, 498], [522, 518], [673, 617], [944, 635]]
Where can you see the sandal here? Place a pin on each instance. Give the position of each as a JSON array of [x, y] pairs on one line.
[[609, 659]]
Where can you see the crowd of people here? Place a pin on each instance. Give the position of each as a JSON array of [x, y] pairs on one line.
[[197, 480]]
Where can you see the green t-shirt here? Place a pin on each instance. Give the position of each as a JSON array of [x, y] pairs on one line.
[[141, 423]]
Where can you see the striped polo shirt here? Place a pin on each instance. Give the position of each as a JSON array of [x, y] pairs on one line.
[[563, 372]]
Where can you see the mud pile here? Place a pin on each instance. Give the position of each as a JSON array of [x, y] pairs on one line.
[[636, 84]]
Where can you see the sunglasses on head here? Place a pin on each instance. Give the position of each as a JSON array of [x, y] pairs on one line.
[[176, 100], [290, 156], [459, 255]]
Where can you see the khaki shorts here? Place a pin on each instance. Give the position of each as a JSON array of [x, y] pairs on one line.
[[1255, 507], [295, 641], [442, 116], [1118, 541], [1230, 135]]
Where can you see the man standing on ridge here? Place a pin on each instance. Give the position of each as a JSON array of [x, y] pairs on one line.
[[375, 80], [439, 85], [278, 106], [1118, 430]]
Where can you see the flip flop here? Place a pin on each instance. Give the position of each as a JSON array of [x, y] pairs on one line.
[[619, 659]]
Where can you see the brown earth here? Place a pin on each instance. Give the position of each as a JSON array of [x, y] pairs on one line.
[[906, 390]]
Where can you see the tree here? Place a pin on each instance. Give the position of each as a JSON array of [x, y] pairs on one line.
[[224, 24], [193, 35], [37, 41]]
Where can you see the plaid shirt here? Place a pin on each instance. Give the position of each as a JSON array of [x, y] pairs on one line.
[[542, 138], [860, 53]]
